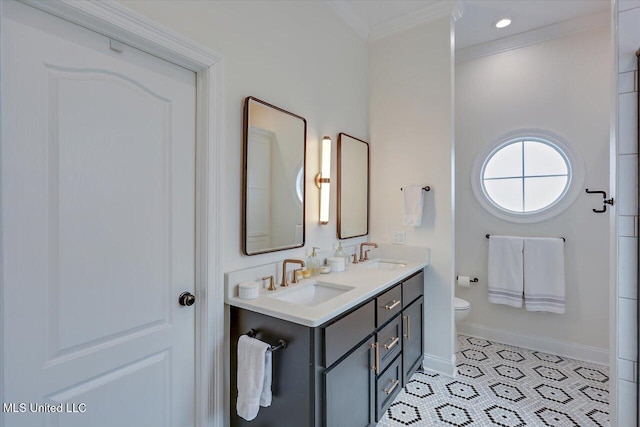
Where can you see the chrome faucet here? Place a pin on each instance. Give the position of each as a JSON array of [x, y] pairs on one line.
[[365, 257], [284, 269]]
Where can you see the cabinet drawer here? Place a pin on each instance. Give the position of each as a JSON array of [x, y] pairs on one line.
[[342, 335], [389, 341], [388, 386], [388, 305], [412, 288]]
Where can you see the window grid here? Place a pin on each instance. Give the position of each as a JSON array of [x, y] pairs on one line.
[[522, 148], [526, 176], [523, 176]]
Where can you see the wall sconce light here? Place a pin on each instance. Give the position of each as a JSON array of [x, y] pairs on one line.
[[322, 180]]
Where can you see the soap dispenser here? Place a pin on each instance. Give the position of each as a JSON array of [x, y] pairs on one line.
[[313, 263], [340, 253]]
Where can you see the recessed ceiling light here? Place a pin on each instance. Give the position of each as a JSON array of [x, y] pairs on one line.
[[505, 22]]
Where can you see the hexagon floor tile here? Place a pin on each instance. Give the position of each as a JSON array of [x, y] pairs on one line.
[[504, 386]]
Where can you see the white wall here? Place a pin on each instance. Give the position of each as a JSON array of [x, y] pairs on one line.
[[561, 85], [411, 96], [297, 55], [626, 348]]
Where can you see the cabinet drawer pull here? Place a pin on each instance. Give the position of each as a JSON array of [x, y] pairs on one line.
[[376, 365], [408, 320], [394, 384], [393, 304], [393, 342]]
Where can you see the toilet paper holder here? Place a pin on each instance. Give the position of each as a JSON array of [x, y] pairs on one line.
[[472, 280]]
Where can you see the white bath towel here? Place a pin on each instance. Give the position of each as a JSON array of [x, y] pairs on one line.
[[254, 376], [413, 202], [505, 270], [544, 287]]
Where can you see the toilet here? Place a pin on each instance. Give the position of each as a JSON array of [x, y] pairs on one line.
[[462, 309]]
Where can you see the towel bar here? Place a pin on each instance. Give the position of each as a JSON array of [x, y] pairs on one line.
[[281, 343], [425, 188], [489, 235]]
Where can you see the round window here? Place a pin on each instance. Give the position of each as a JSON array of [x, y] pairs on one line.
[[300, 184], [526, 176]]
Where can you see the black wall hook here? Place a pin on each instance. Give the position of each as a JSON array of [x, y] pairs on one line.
[[605, 201]]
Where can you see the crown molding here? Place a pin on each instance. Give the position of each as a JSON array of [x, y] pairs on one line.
[[350, 17], [439, 9], [538, 35]]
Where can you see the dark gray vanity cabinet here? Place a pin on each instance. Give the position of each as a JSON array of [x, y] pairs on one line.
[[344, 373], [343, 405], [412, 324], [292, 379], [412, 337]]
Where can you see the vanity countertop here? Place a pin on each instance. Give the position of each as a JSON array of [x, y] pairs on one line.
[[364, 281]]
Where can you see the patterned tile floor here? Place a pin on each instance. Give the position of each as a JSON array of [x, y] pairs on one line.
[[501, 385]]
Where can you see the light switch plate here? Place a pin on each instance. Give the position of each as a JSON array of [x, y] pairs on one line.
[[399, 237]]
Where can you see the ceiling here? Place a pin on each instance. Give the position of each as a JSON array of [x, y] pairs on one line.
[[477, 23]]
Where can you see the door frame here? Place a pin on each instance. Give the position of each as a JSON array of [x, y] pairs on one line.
[[113, 20]]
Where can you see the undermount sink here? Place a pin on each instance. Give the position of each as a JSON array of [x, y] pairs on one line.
[[384, 264], [311, 294]]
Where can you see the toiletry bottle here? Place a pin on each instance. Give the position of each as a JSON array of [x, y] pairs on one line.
[[313, 263]]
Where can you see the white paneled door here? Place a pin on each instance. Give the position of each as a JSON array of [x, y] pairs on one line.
[[98, 206], [259, 222]]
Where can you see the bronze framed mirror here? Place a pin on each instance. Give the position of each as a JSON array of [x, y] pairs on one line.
[[273, 207], [353, 187]]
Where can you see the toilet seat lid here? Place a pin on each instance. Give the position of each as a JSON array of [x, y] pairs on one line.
[[461, 304]]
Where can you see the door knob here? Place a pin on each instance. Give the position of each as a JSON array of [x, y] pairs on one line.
[[186, 298]]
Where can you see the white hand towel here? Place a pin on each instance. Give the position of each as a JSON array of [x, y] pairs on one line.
[[413, 201], [253, 357], [265, 396], [544, 286], [505, 270]]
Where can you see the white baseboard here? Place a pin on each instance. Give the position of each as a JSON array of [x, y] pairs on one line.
[[561, 348], [440, 365]]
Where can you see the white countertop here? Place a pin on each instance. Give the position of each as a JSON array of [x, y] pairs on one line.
[[366, 282]]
